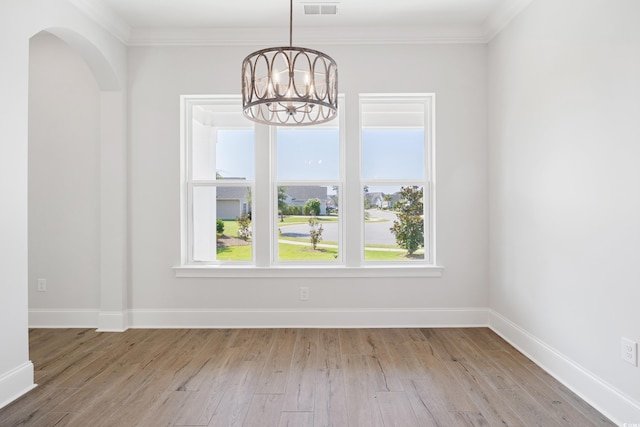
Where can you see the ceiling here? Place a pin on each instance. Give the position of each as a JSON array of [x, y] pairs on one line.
[[149, 22]]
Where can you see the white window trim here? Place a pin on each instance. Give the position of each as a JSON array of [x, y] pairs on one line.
[[428, 183], [309, 271], [351, 263], [187, 184]]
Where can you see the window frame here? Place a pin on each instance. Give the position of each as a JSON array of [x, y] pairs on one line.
[[340, 182], [427, 183], [188, 183], [351, 263]]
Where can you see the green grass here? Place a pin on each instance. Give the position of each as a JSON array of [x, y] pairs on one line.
[[305, 240], [288, 252], [230, 228], [305, 253], [390, 256], [234, 253], [295, 219]]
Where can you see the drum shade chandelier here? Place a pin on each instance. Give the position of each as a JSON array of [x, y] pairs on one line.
[[289, 86]]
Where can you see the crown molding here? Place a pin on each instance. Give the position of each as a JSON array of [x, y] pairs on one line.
[[104, 16], [304, 36], [502, 16]]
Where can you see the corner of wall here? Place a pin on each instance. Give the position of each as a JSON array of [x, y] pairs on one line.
[[604, 397], [15, 383]]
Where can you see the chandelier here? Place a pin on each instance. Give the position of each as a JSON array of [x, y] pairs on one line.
[[289, 86]]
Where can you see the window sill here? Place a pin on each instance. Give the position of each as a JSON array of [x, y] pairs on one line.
[[308, 271]]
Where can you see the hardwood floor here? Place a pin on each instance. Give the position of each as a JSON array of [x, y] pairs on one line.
[[290, 377]]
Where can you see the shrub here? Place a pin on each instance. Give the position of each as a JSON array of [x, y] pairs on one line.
[[244, 226], [315, 232], [219, 226], [312, 207], [293, 210]]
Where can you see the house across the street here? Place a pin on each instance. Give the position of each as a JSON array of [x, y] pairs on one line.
[[231, 202], [298, 195]]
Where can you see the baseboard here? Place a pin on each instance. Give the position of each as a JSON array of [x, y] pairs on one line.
[[103, 321], [610, 401], [259, 318], [112, 321], [15, 383], [309, 318], [68, 318]]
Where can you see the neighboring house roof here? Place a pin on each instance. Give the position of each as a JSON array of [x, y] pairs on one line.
[[306, 192], [395, 197], [376, 196], [373, 196], [238, 193]]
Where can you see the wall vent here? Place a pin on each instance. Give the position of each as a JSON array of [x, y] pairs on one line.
[[320, 9]]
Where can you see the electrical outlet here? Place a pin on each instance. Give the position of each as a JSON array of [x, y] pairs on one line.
[[42, 285], [304, 293], [630, 351]]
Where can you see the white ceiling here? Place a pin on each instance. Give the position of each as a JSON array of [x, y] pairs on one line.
[[140, 22]]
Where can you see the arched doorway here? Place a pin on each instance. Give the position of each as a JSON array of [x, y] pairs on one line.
[[77, 186], [106, 56]]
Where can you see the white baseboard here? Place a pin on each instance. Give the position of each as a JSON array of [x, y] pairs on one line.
[[67, 318], [610, 401], [112, 321], [257, 318], [309, 318], [15, 383]]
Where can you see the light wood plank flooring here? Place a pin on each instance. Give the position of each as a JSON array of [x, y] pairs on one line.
[[290, 377]]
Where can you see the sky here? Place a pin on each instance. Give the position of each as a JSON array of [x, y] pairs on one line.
[[313, 154]]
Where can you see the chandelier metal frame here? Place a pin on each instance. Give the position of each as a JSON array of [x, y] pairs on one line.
[[289, 86]]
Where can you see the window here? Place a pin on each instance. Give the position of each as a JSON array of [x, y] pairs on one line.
[[397, 177], [308, 181], [219, 182], [264, 197]]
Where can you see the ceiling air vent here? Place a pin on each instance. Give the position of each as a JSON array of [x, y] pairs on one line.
[[320, 9]]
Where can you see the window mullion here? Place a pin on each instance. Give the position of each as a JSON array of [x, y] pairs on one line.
[[262, 217], [351, 198]]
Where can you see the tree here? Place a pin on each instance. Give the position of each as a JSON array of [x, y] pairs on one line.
[[315, 232], [312, 207], [409, 225], [282, 202], [388, 198], [367, 202], [249, 201], [336, 198]]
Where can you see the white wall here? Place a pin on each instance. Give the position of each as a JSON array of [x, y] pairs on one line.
[[456, 73], [564, 85], [19, 20], [64, 175]]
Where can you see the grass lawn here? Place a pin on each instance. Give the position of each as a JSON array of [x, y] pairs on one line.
[[234, 253], [296, 219], [288, 252], [390, 256], [305, 240], [230, 228], [305, 253]]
